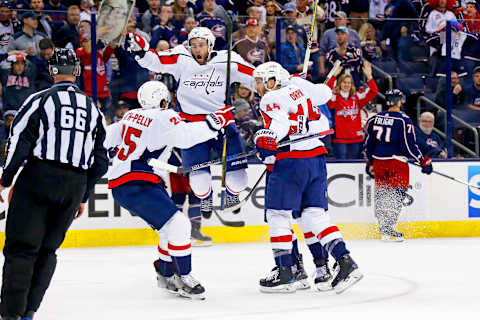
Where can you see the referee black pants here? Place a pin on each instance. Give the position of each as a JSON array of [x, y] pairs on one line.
[[44, 202]]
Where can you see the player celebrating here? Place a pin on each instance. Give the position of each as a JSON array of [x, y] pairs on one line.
[[390, 141], [201, 75], [299, 171], [152, 132]]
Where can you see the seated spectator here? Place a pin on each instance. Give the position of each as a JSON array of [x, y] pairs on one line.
[[370, 47], [329, 40], [28, 39], [290, 13], [84, 53], [43, 78], [458, 94], [67, 36], [252, 48], [17, 83], [246, 122], [181, 12], [165, 29], [472, 17], [151, 17], [207, 18], [429, 143], [181, 35], [56, 10], [345, 105], [292, 54], [44, 24], [473, 91], [350, 57]]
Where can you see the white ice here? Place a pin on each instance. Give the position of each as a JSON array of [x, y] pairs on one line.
[[417, 279]]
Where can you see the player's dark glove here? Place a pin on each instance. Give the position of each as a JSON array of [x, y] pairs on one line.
[[426, 164], [369, 169], [136, 44], [220, 118], [266, 143]]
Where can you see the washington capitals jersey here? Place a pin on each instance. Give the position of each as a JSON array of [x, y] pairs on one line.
[[201, 88], [145, 134], [391, 134]]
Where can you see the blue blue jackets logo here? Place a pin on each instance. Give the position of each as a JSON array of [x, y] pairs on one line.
[[474, 194]]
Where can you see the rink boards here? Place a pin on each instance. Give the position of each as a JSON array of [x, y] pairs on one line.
[[437, 207]]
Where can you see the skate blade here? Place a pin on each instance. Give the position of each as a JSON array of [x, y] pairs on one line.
[[352, 278], [302, 284], [392, 239], [200, 243], [182, 293], [323, 286], [284, 288]]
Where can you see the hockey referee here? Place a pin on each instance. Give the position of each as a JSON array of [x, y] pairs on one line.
[[60, 133]]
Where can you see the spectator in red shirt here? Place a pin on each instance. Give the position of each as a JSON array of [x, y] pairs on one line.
[[345, 105], [472, 17], [103, 55]]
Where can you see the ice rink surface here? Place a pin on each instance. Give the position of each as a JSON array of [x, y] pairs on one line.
[[416, 279]]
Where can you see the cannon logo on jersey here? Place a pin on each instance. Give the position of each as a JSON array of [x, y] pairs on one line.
[[473, 193], [206, 81]]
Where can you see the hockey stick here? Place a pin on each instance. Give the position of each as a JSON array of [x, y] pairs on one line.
[[239, 156], [309, 40], [436, 172]]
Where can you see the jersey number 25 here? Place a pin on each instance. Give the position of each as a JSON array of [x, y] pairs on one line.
[[128, 142]]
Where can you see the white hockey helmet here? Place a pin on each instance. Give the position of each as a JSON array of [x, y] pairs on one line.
[[202, 33], [272, 70], [152, 93]]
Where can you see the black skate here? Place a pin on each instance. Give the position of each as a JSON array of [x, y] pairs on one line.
[[206, 207], [279, 280], [198, 238], [167, 283], [389, 234], [346, 274], [301, 277], [189, 287], [233, 202], [322, 278]]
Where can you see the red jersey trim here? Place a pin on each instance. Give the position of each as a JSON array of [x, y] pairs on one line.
[[266, 119], [172, 59], [245, 69], [134, 176], [192, 117], [301, 154]]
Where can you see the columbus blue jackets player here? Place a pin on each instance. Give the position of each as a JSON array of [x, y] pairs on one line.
[[390, 142]]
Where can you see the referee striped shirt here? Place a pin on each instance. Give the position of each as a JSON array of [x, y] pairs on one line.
[[60, 124]]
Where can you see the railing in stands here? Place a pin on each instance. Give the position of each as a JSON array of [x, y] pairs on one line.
[[474, 153], [386, 75]]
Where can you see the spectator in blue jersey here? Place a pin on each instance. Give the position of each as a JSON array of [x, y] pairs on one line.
[[473, 92], [430, 143], [43, 78], [181, 35], [458, 93], [292, 55], [207, 18], [56, 10], [165, 29], [151, 17]]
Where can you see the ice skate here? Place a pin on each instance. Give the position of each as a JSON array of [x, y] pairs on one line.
[[322, 278], [198, 238], [232, 201], [346, 274], [167, 283], [279, 280], [389, 234], [301, 277], [189, 287], [206, 207]]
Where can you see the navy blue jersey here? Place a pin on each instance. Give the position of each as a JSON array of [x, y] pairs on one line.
[[391, 134]]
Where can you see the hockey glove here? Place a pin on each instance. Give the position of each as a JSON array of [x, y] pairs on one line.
[[220, 118], [136, 45], [369, 170], [266, 143], [426, 164]]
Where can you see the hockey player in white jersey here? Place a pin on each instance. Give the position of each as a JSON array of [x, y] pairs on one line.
[[299, 171], [201, 75], [152, 132]]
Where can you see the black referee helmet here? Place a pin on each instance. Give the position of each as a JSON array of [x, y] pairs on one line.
[[64, 61]]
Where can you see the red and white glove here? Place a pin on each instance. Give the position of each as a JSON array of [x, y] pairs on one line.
[[136, 44], [265, 140], [220, 118]]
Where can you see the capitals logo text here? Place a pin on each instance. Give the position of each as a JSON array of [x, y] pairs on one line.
[[207, 81]]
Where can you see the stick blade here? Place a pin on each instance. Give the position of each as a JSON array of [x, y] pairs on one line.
[[163, 165]]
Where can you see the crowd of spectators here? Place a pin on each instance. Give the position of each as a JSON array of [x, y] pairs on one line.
[[264, 30]]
